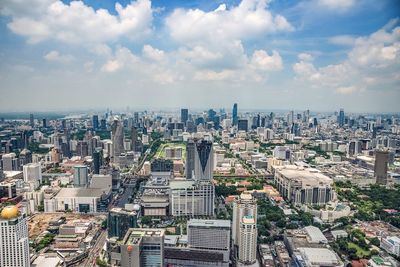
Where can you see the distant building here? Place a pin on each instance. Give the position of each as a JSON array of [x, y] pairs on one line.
[[14, 243], [117, 138], [119, 221], [97, 160], [381, 166], [95, 122], [184, 115], [203, 160], [190, 158], [235, 114], [243, 125], [32, 173], [81, 176]]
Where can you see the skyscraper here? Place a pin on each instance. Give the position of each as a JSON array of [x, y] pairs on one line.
[[243, 125], [203, 163], [184, 115], [117, 138], [190, 158], [31, 120], [97, 160], [341, 118], [14, 243], [44, 123], [134, 137], [247, 240], [95, 122], [119, 221], [381, 166], [235, 114], [244, 205], [80, 176]]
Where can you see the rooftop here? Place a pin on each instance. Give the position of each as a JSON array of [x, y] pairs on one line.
[[209, 223], [80, 192]]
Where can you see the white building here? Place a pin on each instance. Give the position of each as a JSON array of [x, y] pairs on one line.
[[391, 244], [190, 198], [244, 205], [247, 240], [209, 234], [32, 173], [14, 243]]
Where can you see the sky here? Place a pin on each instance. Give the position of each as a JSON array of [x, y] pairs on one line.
[[320, 55]]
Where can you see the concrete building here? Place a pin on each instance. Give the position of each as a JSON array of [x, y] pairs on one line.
[[119, 221], [191, 198], [142, 248], [391, 244], [247, 243], [32, 173], [244, 205], [14, 243], [84, 200], [81, 176], [190, 158], [381, 166], [303, 186]]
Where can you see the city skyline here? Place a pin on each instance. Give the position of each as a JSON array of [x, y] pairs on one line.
[[317, 55]]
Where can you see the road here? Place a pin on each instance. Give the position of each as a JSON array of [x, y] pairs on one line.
[[95, 250]]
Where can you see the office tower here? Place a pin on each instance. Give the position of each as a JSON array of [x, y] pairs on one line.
[[119, 221], [243, 125], [203, 160], [136, 117], [244, 205], [14, 243], [184, 115], [381, 166], [95, 122], [341, 118], [247, 240], [44, 123], [81, 176], [191, 198], [161, 165], [209, 234], [31, 120], [211, 115], [103, 124], [32, 173], [142, 248], [117, 138], [235, 114], [97, 160], [134, 137], [190, 158], [25, 157], [10, 162]]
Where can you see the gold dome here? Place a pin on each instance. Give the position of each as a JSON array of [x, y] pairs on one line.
[[9, 212]]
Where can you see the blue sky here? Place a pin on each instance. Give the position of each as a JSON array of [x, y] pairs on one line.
[[315, 54]]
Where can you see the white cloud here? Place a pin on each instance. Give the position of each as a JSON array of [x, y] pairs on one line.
[[208, 75], [373, 60], [342, 40], [262, 61], [123, 59], [152, 53], [247, 20], [305, 57], [76, 22], [55, 56], [337, 4]]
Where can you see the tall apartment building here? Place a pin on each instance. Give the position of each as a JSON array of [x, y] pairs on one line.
[[191, 198], [244, 205], [190, 158], [14, 243], [247, 243], [32, 173], [303, 186], [381, 166]]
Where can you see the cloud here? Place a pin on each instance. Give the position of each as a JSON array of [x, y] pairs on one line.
[[373, 60], [337, 4], [55, 56], [76, 22], [152, 53], [262, 61], [342, 40], [305, 57], [249, 19], [123, 58]]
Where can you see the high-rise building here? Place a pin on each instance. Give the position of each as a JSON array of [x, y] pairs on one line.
[[31, 120], [117, 138], [32, 173], [14, 243], [341, 118], [203, 160], [381, 166], [134, 138], [119, 221], [44, 123], [247, 244], [244, 205], [190, 158], [184, 115], [97, 160], [142, 248], [95, 122], [81, 176], [243, 125], [235, 114]]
